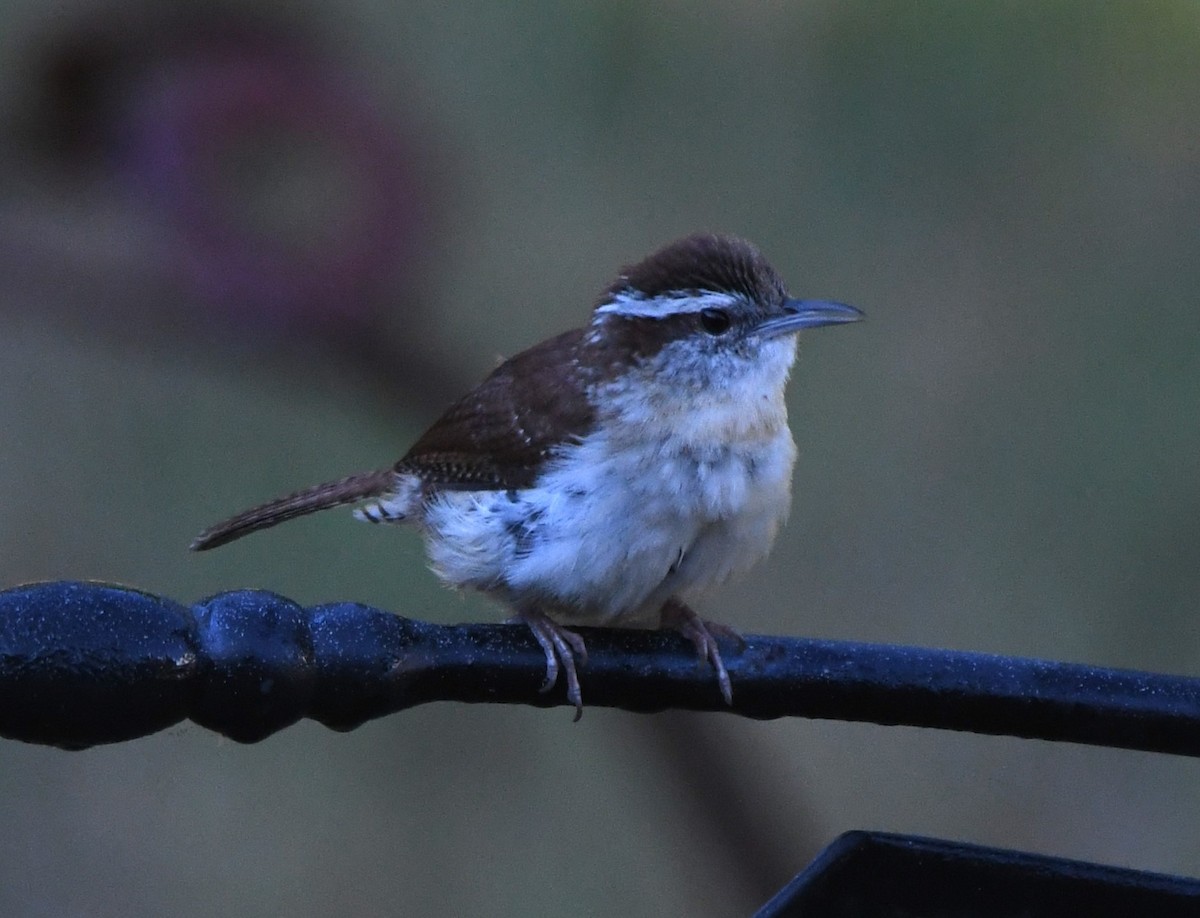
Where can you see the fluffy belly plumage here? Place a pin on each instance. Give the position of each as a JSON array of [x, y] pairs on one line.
[[607, 535]]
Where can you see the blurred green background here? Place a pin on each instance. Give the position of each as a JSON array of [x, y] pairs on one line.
[[1005, 457]]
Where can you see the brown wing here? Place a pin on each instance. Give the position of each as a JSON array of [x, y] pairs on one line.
[[496, 436]]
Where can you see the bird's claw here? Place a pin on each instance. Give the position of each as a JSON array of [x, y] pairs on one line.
[[561, 646], [703, 636]]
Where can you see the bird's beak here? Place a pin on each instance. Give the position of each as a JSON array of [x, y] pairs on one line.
[[798, 314]]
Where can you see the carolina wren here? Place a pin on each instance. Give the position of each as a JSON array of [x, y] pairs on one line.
[[611, 474]]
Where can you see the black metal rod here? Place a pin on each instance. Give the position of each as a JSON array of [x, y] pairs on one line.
[[88, 663]]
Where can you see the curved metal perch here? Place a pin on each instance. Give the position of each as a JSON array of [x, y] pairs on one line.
[[88, 663]]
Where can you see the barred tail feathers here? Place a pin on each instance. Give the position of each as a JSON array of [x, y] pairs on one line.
[[338, 493]]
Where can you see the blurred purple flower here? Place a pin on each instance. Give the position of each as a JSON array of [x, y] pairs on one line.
[[293, 198]]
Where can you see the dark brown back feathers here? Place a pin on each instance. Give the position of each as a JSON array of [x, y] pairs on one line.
[[497, 435]]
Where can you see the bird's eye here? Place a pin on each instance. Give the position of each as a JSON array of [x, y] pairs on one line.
[[714, 321]]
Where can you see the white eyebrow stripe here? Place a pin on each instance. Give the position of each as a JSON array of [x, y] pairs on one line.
[[632, 303]]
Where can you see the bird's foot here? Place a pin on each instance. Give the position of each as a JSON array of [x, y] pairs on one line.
[[703, 636], [561, 646]]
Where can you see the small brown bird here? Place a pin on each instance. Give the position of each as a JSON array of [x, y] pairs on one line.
[[611, 474]]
